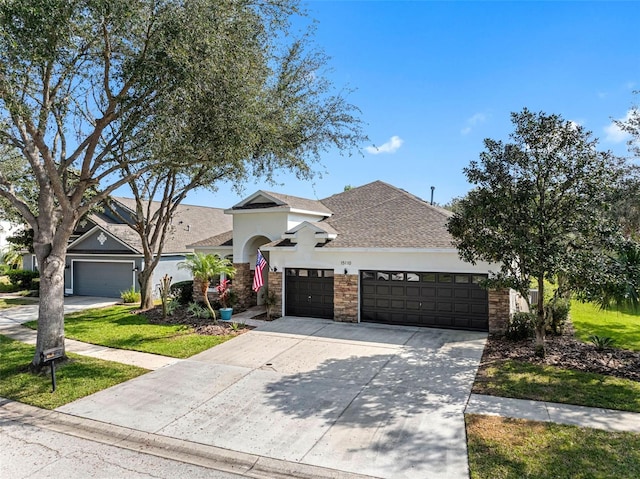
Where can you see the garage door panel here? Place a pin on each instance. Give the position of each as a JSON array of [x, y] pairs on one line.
[[444, 300], [461, 308], [461, 293], [398, 304], [98, 278], [413, 291], [479, 294], [445, 293]]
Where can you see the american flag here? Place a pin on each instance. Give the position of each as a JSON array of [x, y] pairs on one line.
[[257, 278]]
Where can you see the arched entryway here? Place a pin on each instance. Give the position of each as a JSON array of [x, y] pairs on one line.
[[251, 252]]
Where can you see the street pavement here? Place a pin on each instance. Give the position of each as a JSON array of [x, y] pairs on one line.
[[28, 451]]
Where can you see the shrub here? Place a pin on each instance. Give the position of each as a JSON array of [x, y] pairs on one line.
[[557, 313], [601, 342], [22, 278], [198, 310], [521, 326], [171, 307], [183, 291], [130, 295]]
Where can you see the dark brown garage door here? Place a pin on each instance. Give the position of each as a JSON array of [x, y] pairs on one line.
[[442, 300], [309, 292]]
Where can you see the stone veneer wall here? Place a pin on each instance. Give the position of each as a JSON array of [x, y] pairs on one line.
[[499, 310], [242, 286], [275, 287], [345, 298]]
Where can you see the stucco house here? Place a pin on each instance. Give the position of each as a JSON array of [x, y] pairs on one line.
[[375, 253], [105, 254]]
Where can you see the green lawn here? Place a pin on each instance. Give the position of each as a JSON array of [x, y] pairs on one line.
[[501, 448], [623, 326], [117, 327], [78, 377], [10, 302], [524, 380]]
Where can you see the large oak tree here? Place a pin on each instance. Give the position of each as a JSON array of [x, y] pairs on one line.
[[98, 93], [539, 207]]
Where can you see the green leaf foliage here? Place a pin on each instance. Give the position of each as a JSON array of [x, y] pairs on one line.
[[540, 204]]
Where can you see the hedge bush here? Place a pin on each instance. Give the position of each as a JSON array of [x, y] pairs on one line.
[[182, 291], [22, 278], [521, 326]]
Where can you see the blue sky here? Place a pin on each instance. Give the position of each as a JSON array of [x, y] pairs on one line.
[[433, 79]]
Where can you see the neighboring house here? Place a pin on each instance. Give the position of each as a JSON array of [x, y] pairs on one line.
[[105, 254], [374, 253]]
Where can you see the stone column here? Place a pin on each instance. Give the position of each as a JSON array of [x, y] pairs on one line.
[[499, 310], [241, 286], [275, 287], [345, 298]]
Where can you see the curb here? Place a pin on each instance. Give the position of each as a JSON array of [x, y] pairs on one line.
[[211, 457]]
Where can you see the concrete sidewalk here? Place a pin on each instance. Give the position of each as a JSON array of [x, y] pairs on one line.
[[597, 418]]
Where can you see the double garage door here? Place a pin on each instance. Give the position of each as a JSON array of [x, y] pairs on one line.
[[107, 279], [441, 300]]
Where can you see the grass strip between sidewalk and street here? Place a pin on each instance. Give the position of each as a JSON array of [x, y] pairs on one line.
[[78, 377], [503, 448], [619, 324], [117, 327], [522, 380]]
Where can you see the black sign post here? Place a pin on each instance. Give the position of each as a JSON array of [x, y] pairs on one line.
[[50, 356]]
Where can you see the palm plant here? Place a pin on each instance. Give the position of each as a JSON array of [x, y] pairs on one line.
[[205, 267]]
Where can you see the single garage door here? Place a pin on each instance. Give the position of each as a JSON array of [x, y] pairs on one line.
[[91, 278], [442, 300], [309, 292]]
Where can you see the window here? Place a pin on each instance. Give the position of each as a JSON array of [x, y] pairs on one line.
[[368, 275], [429, 278], [462, 279], [397, 276], [477, 278], [413, 277], [382, 276], [444, 278]]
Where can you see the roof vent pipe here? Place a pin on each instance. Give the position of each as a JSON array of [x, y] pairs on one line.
[[432, 188], [188, 227]]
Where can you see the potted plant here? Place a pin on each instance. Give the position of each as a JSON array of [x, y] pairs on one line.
[[224, 293]]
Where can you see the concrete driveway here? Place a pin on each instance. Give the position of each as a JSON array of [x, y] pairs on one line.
[[377, 400]]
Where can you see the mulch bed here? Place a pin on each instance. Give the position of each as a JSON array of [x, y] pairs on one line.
[[566, 352], [202, 326]]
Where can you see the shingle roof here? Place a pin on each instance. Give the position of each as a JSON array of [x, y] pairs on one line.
[[288, 201], [190, 224], [223, 239], [378, 215]]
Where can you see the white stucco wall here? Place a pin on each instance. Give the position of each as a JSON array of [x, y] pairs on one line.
[[306, 255]]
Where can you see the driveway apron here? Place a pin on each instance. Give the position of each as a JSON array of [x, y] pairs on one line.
[[378, 400]]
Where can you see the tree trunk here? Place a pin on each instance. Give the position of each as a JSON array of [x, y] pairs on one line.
[[145, 279], [51, 311], [540, 321], [205, 294]]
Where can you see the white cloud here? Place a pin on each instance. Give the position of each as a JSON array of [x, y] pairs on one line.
[[473, 121], [613, 132], [391, 146]]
